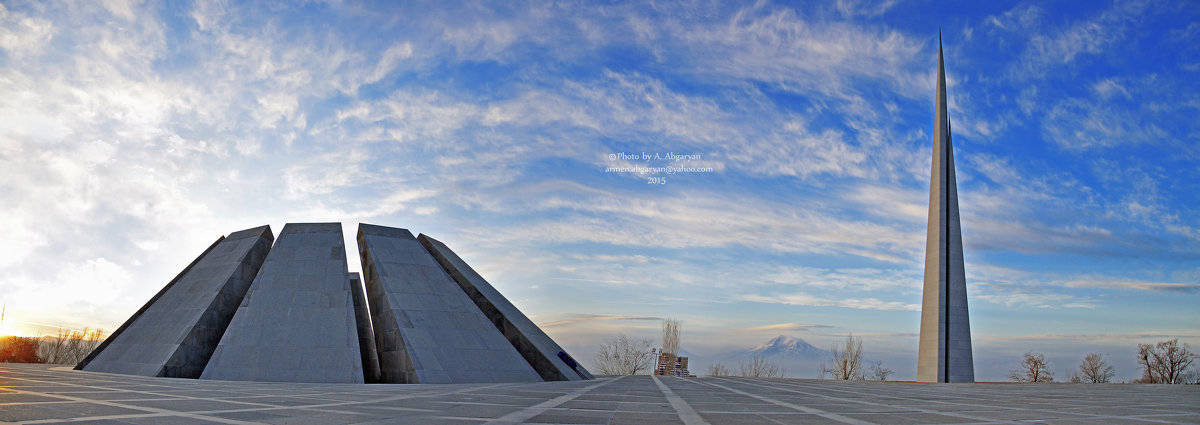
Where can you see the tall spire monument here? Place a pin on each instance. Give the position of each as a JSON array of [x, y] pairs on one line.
[[945, 349]]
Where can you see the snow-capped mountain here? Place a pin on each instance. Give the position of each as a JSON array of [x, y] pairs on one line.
[[785, 347], [799, 358]]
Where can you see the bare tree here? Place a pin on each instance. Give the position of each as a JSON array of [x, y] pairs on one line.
[[1165, 363], [670, 339], [759, 367], [1033, 368], [624, 356], [718, 369], [69, 346], [846, 362], [880, 373], [52, 348], [1094, 369]]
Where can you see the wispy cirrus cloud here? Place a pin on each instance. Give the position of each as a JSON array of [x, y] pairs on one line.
[[1042, 299], [784, 327], [1059, 45], [1182, 288], [586, 318], [802, 299], [1121, 337]]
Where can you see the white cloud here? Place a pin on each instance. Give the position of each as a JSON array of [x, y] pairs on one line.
[[121, 8], [858, 279], [1094, 337], [1061, 45], [700, 219], [776, 45], [1181, 288], [1082, 124], [585, 318], [21, 34], [1109, 88], [783, 327], [389, 61], [853, 8], [855, 303], [892, 202], [484, 39], [1036, 300], [1021, 18]]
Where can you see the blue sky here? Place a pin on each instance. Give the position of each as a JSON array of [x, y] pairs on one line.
[[133, 134]]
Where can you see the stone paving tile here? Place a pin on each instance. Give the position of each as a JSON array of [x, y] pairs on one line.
[[590, 405], [635, 418], [45, 395], [61, 411], [476, 410], [251, 416], [385, 411], [572, 417], [1097, 421], [109, 422], [428, 421], [173, 420], [188, 405], [1025, 415], [661, 407], [766, 418], [908, 418], [15, 397], [30, 412], [1184, 419], [798, 419]]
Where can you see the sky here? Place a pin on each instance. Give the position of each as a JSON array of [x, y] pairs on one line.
[[752, 169]]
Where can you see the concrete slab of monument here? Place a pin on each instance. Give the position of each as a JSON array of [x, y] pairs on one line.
[[297, 321], [549, 359], [175, 333], [427, 330]]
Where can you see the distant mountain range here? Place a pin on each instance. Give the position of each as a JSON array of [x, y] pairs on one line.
[[796, 355]]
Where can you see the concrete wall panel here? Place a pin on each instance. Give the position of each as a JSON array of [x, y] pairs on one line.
[[176, 332], [539, 350], [427, 330], [297, 321]]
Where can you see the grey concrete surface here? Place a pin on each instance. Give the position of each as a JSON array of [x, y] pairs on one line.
[[40, 394], [366, 335], [175, 332], [944, 352], [427, 330], [539, 350], [296, 322]]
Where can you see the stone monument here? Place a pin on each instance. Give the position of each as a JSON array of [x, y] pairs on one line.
[[297, 322], [245, 310], [427, 330], [944, 354], [175, 333]]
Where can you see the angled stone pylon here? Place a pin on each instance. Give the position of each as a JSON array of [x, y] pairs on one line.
[[175, 333], [297, 322], [945, 347], [539, 350], [427, 329]]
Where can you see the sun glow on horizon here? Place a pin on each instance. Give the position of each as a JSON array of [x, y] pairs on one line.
[[8, 327], [9, 330]]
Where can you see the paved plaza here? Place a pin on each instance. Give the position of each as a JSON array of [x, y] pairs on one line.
[[48, 394]]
